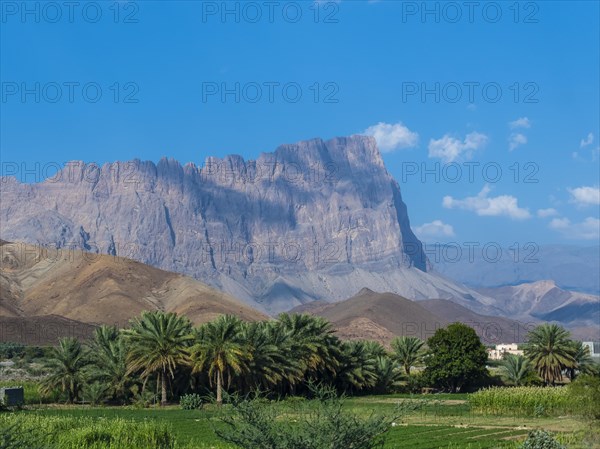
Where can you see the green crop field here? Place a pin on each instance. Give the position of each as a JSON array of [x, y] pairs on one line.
[[444, 422]]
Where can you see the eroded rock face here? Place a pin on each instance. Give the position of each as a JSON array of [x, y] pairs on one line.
[[312, 220]]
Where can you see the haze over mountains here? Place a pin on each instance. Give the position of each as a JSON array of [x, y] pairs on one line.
[[313, 220], [570, 267]]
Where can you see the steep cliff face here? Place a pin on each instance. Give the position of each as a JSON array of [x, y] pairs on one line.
[[312, 220]]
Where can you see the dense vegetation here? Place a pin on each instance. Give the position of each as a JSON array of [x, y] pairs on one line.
[[282, 379]]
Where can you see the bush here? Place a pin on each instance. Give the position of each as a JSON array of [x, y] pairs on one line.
[[540, 439], [37, 353], [585, 391], [190, 401], [94, 393], [322, 423], [414, 384], [10, 350]]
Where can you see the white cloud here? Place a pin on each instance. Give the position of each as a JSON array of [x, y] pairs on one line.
[[594, 155], [585, 196], [587, 141], [392, 137], [435, 229], [450, 149], [544, 213], [522, 122], [588, 229], [515, 140], [482, 205]]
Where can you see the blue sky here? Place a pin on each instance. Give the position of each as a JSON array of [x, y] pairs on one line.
[[531, 68]]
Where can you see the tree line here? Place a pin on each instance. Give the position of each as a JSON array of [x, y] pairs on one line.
[[164, 353]]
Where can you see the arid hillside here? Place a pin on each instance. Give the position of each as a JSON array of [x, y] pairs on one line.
[[381, 316], [91, 288]]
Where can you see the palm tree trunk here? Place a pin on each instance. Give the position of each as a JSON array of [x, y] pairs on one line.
[[163, 385], [219, 393]]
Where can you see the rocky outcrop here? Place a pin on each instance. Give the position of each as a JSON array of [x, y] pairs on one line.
[[312, 220]]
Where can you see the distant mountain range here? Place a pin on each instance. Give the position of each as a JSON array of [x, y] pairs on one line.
[[543, 300], [570, 267]]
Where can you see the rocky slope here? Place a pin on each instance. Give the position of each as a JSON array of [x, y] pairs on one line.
[[544, 300], [92, 288], [313, 220], [382, 316]]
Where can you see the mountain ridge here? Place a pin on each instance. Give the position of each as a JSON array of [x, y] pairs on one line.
[[311, 220]]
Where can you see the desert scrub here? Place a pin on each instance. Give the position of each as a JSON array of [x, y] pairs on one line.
[[523, 401], [87, 433]]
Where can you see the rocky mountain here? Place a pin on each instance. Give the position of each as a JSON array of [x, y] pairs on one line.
[[312, 220], [544, 300], [42, 285], [382, 316]]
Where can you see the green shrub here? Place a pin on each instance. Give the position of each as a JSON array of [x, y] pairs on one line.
[[585, 392], [144, 398], [10, 350], [94, 393], [321, 424], [190, 401], [37, 352], [540, 439], [415, 384]]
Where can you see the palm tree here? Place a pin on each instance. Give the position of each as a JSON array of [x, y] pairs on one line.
[[292, 368], [270, 363], [109, 360], [388, 374], [220, 350], [375, 348], [66, 364], [583, 361], [313, 344], [157, 343], [408, 351], [357, 370], [516, 369], [550, 351]]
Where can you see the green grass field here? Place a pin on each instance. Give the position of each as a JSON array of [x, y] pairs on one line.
[[443, 422]]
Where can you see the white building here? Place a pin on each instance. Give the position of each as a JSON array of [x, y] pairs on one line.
[[503, 349], [594, 347]]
